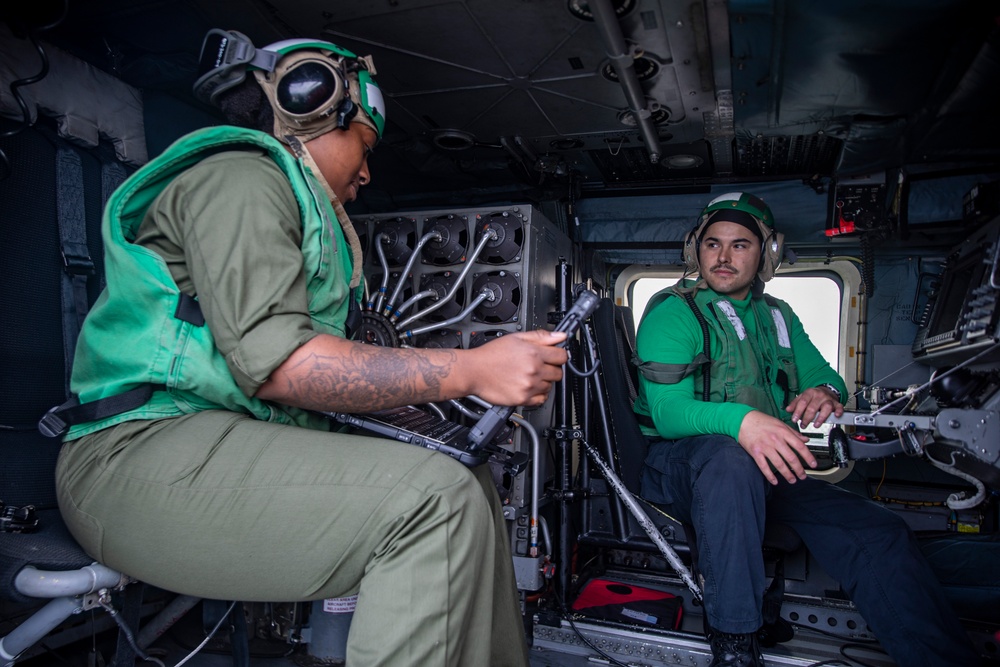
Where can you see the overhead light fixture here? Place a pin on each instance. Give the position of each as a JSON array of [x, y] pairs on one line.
[[453, 140], [645, 69], [581, 8], [682, 162], [659, 114]]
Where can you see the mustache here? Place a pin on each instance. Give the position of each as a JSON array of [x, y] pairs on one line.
[[728, 267]]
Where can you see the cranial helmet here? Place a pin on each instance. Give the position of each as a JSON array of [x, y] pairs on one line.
[[744, 209], [313, 86]]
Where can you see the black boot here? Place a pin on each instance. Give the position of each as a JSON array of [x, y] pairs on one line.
[[734, 650]]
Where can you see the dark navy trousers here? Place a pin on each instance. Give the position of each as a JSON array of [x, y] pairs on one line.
[[713, 484]]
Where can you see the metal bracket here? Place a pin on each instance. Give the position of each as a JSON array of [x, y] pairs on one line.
[[977, 431]]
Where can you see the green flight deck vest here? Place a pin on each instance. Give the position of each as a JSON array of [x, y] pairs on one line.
[[137, 334], [735, 375]]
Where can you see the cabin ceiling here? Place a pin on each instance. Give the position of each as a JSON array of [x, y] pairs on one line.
[[522, 99]]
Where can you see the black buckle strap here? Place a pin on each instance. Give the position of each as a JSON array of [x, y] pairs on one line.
[[57, 421], [15, 519], [76, 259]]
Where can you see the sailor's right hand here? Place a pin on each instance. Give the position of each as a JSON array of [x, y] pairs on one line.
[[773, 443], [518, 368]]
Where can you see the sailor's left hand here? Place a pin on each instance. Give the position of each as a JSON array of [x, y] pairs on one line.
[[814, 405]]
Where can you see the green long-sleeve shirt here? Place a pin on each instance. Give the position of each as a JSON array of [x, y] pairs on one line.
[[670, 334]]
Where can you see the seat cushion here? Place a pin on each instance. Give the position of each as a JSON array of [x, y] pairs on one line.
[[51, 547]]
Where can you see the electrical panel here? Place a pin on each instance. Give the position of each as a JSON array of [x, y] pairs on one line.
[[961, 322], [859, 205]]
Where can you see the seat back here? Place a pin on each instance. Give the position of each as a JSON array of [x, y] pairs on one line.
[[615, 433], [33, 358], [614, 332]]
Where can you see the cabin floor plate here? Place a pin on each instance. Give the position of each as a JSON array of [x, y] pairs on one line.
[[656, 648]]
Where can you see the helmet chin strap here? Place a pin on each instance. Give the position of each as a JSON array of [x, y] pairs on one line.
[[300, 151]]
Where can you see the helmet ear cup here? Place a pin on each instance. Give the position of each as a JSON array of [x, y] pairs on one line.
[[308, 87], [321, 99], [690, 251], [772, 252]]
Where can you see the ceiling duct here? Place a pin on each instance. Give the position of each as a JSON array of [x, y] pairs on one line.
[[624, 65], [452, 140]]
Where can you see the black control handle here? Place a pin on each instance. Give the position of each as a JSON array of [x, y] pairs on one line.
[[490, 424]]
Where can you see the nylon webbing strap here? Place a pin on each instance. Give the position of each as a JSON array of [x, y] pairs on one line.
[[112, 175], [189, 310], [669, 373], [77, 264], [645, 420], [57, 421]]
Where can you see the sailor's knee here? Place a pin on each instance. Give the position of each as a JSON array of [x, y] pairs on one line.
[[887, 529], [454, 486], [726, 461]]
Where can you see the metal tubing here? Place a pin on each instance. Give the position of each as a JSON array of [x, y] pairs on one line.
[[536, 475], [45, 584], [405, 306], [536, 451], [424, 240], [614, 42], [384, 287], [482, 296], [490, 235], [647, 525], [173, 612], [41, 623]]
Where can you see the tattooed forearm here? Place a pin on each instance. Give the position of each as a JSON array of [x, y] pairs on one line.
[[368, 378]]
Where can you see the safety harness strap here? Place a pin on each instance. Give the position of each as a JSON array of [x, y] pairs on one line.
[[77, 264], [112, 175], [669, 373], [57, 421]]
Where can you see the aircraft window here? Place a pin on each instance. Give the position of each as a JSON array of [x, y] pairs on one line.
[[818, 301], [815, 299]]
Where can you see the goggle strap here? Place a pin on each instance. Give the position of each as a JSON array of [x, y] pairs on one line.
[[265, 60], [241, 51]]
